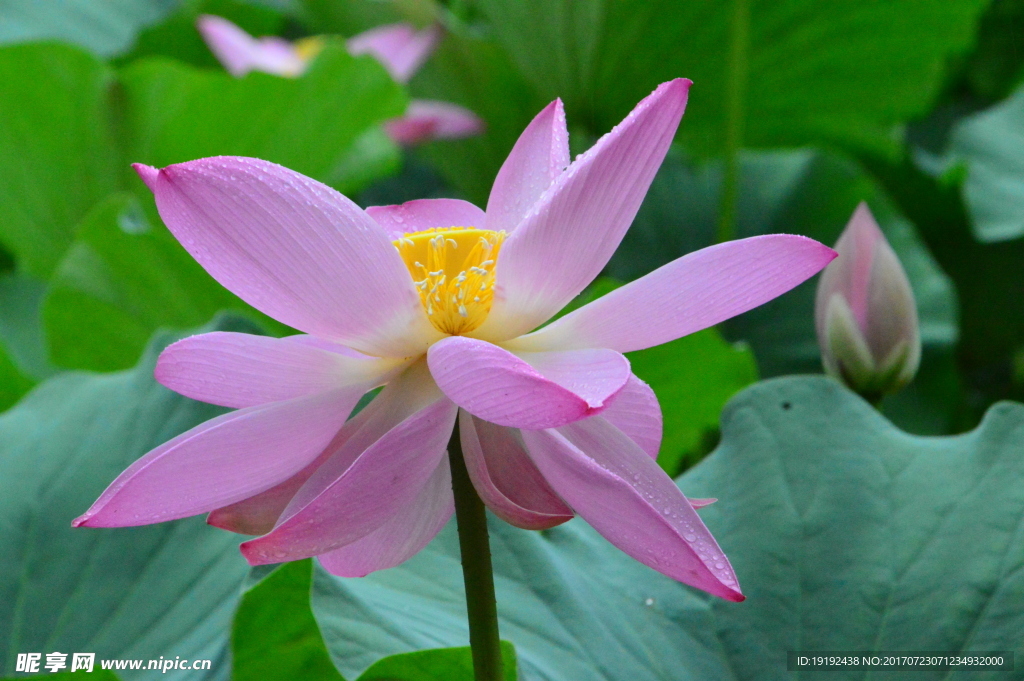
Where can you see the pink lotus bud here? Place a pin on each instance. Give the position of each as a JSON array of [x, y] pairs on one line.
[[865, 313]]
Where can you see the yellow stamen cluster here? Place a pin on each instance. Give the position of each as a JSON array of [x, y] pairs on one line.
[[453, 269], [307, 48]]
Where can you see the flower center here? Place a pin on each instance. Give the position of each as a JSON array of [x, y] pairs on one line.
[[453, 269], [307, 48]]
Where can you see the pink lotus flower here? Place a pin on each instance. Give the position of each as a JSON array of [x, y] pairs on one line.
[[865, 313], [436, 300], [400, 48]]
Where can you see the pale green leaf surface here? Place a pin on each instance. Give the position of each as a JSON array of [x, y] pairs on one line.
[[991, 144], [137, 593], [104, 27]]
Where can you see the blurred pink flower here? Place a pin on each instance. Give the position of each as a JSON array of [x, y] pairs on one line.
[[865, 312], [400, 48], [436, 300]]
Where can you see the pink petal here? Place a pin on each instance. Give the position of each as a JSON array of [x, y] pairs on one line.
[[240, 53], [506, 479], [241, 370], [635, 411], [410, 131], [374, 488], [403, 535], [540, 154], [539, 390], [691, 293], [572, 231], [623, 494], [259, 513], [426, 119], [421, 214], [700, 503], [222, 461], [399, 47], [295, 249]]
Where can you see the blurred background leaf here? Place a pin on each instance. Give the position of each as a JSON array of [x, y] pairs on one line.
[[990, 144], [57, 155], [104, 27]]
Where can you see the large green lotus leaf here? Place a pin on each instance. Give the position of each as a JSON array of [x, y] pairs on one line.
[[145, 592], [844, 71], [104, 27], [178, 113], [440, 664], [56, 157], [991, 145], [274, 635], [846, 534], [122, 279]]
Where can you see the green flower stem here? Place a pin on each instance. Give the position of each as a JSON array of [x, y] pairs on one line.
[[481, 606], [739, 60]]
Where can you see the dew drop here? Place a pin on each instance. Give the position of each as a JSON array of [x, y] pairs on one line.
[[649, 602], [690, 537]]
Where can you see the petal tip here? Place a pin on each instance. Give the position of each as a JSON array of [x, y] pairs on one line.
[[82, 520], [254, 555], [735, 596], [148, 174]]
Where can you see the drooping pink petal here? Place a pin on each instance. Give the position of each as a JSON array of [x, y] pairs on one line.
[[403, 535], [224, 460], [505, 478], [691, 293], [240, 53], [427, 119], [635, 411], [540, 154], [539, 390], [399, 47], [623, 494], [295, 249], [573, 229], [242, 370], [259, 513], [421, 214], [372, 490]]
